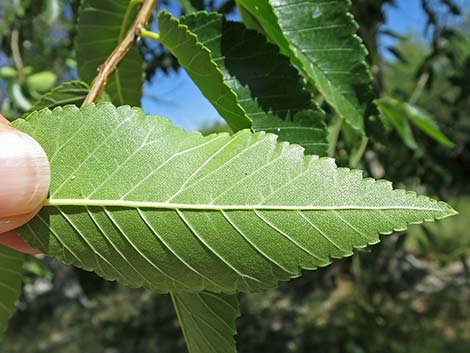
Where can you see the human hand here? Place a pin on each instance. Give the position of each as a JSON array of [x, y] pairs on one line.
[[24, 182]]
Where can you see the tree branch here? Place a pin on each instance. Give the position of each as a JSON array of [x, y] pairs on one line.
[[111, 63]]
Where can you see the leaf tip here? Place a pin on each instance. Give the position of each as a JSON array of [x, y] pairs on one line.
[[448, 210]]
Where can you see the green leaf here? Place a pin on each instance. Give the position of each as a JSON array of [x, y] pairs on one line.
[[52, 11], [8, 72], [208, 321], [267, 87], [248, 19], [320, 38], [11, 275], [142, 202], [426, 123], [197, 61], [187, 6], [71, 92], [101, 26], [393, 111], [398, 113], [306, 128], [41, 81]]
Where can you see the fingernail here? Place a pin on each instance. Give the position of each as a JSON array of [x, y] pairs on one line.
[[24, 172]]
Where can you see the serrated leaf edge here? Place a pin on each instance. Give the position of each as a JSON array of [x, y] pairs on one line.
[[307, 160], [211, 60], [295, 53]]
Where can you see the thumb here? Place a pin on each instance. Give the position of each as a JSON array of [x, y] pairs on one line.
[[24, 177]]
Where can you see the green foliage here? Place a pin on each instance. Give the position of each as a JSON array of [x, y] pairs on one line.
[[41, 81], [52, 10], [398, 113], [248, 19], [8, 72], [204, 217], [247, 62], [101, 26], [197, 61], [425, 122], [445, 241], [41, 34], [208, 321], [71, 92], [428, 80], [187, 6], [217, 193], [18, 96], [11, 275], [115, 318], [395, 115], [323, 44]]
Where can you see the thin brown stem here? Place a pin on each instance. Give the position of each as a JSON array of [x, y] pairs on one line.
[[111, 63], [16, 53]]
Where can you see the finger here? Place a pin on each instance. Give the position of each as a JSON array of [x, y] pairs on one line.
[[24, 173], [3, 120], [14, 241], [13, 222]]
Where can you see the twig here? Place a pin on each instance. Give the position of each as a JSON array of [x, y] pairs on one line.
[[334, 132], [111, 63], [149, 34], [15, 50], [423, 80], [357, 154]]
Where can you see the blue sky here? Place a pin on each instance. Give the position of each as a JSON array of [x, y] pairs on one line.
[[176, 97]]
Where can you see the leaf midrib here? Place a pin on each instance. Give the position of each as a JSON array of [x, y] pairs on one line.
[[212, 207]]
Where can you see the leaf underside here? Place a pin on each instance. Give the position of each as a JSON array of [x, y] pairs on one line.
[[11, 276], [208, 321], [142, 202], [101, 26], [320, 38], [268, 88]]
